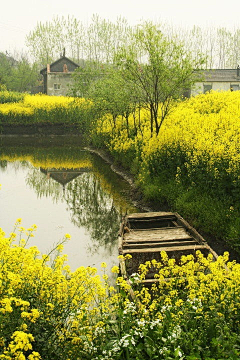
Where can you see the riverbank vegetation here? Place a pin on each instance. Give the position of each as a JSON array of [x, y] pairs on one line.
[[9, 96], [25, 109], [49, 312], [193, 163]]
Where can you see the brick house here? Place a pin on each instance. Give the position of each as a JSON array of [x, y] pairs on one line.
[[58, 76]]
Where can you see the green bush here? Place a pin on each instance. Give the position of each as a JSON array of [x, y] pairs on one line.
[[10, 96]]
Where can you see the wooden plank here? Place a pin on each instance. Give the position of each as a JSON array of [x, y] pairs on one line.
[[160, 214], [167, 249], [165, 244], [164, 228], [190, 229], [159, 234], [169, 229], [162, 241], [153, 220], [156, 221], [120, 244]]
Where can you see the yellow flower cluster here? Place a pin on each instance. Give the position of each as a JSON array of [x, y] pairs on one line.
[[13, 109], [46, 102], [205, 129], [9, 96], [198, 284], [47, 311], [42, 300], [42, 108]]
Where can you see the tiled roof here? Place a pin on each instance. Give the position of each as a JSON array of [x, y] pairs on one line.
[[59, 61], [221, 75]]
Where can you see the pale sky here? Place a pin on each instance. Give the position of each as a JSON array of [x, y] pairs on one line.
[[19, 17]]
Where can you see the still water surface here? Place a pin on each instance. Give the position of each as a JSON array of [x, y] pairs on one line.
[[63, 188]]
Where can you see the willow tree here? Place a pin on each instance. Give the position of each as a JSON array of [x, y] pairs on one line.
[[160, 69], [95, 41], [112, 95]]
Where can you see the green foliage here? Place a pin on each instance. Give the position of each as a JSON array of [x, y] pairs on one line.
[[25, 76], [84, 77], [10, 96], [148, 70], [95, 41], [109, 100], [6, 65], [206, 208], [160, 69], [19, 75]]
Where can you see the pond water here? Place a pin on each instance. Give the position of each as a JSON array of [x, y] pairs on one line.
[[62, 188]]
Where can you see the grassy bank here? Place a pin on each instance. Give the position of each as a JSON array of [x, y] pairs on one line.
[[193, 163]]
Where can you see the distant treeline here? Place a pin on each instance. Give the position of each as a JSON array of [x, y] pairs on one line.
[[100, 38]]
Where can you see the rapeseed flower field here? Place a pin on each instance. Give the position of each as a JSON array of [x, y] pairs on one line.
[[49, 312], [44, 109], [193, 163]]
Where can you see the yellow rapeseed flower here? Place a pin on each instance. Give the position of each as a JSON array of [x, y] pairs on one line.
[[115, 269]]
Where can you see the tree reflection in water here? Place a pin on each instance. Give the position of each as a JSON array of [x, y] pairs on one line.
[[94, 209], [93, 196], [43, 186], [93, 193]]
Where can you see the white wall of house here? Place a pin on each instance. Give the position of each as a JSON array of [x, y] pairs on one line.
[[202, 87], [58, 83]]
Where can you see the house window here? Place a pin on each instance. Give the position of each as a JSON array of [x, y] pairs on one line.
[[234, 87], [207, 88], [57, 86]]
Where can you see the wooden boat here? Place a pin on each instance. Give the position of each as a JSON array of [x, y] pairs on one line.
[[145, 235]]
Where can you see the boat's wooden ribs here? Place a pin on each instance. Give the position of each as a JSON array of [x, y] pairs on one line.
[[157, 234], [145, 235], [146, 245], [167, 249], [151, 215]]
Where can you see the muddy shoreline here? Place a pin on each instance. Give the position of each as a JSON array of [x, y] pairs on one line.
[[136, 195]]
